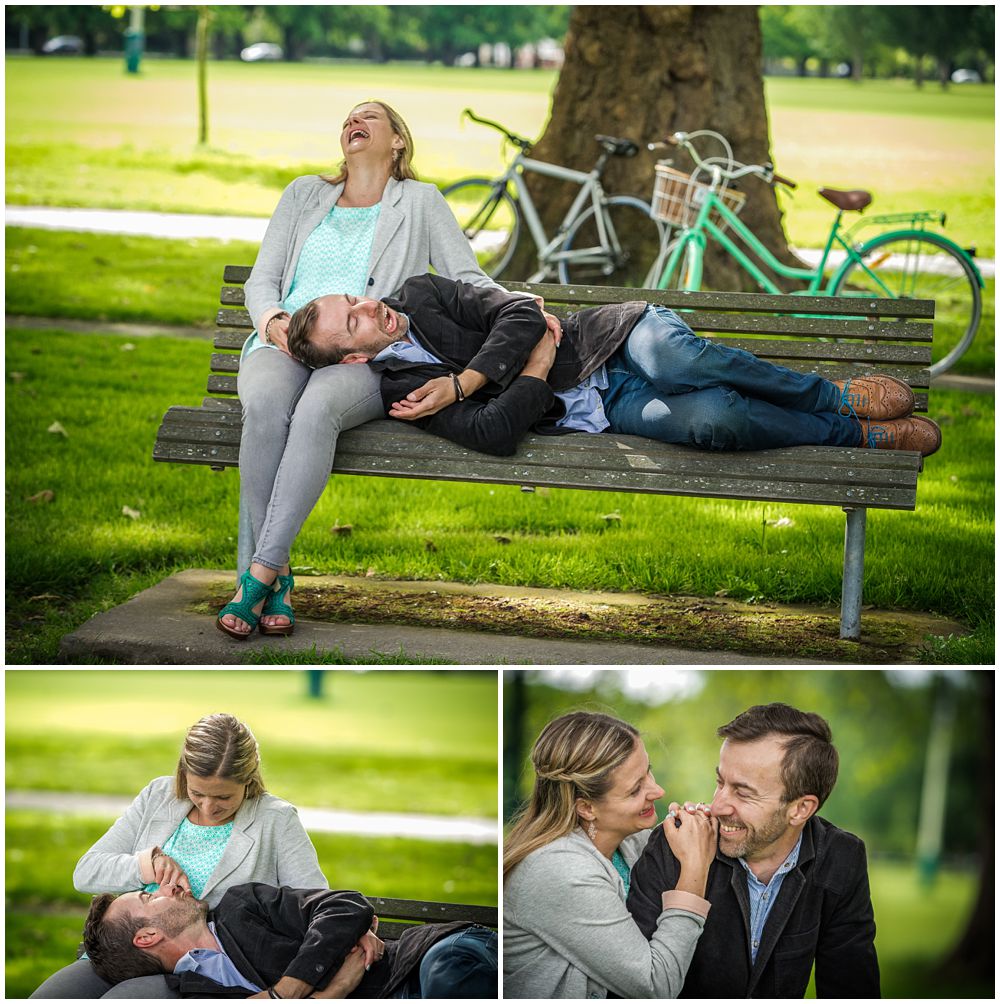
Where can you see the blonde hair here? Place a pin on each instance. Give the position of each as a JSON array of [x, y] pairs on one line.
[[574, 757], [220, 746], [402, 166]]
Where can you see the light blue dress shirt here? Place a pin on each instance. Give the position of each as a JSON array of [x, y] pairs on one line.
[[215, 966], [762, 896]]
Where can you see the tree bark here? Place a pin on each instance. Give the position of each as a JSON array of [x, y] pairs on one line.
[[643, 72]]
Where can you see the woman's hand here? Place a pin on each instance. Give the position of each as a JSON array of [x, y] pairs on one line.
[[276, 332], [693, 842], [166, 871]]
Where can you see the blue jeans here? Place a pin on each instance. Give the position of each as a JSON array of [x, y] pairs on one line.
[[462, 965], [667, 383]]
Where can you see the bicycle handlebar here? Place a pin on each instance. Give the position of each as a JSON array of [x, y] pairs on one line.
[[524, 144], [764, 171]]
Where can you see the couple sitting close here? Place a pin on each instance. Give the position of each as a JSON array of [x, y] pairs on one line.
[[210, 887], [732, 899], [342, 276]]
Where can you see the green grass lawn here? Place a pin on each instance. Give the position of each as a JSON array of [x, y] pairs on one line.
[[79, 132], [44, 917], [76, 554], [380, 741]]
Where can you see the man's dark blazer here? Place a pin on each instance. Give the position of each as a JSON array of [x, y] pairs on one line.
[[823, 913], [493, 332], [269, 932]]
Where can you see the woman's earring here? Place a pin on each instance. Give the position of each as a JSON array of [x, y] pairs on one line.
[[592, 830]]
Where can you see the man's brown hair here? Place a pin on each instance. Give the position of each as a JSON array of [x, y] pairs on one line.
[[810, 763], [108, 941], [300, 344]]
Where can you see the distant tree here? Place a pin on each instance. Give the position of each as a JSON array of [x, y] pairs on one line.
[[784, 36], [303, 28], [941, 32]]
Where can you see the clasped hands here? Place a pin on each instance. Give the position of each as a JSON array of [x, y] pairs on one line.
[[441, 391]]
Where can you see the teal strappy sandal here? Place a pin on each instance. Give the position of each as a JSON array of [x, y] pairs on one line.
[[253, 592], [276, 606]]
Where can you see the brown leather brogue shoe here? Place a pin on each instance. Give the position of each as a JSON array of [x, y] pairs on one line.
[[878, 397], [912, 433]]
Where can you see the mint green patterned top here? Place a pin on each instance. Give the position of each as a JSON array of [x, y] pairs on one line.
[[198, 850], [334, 259], [623, 869]]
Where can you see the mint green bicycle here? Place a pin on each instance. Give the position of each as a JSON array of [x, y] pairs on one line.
[[911, 262]]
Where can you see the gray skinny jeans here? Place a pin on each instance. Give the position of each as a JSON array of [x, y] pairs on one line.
[[292, 416]]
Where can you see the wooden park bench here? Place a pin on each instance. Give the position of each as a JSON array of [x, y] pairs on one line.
[[820, 334]]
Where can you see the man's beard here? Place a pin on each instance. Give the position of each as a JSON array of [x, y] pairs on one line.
[[756, 839], [183, 913]]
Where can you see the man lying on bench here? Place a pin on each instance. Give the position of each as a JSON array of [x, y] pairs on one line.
[[478, 366], [263, 941]]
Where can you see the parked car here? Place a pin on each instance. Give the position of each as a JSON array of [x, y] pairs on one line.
[[262, 52], [966, 77], [63, 45]]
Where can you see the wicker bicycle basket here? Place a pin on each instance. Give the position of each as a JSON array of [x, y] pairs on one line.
[[677, 197]]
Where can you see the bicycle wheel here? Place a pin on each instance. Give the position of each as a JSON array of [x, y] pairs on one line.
[[489, 217], [634, 239], [685, 275], [926, 266]]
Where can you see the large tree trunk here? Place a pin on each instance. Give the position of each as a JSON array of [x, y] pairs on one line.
[[645, 72]]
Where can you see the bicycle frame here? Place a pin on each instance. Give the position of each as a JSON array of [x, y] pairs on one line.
[[590, 189], [704, 227]]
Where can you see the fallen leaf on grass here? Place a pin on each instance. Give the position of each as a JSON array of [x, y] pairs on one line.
[[45, 495], [15, 377], [501, 539], [44, 597], [429, 545], [343, 531], [127, 347], [370, 574], [131, 513], [57, 429], [612, 517]]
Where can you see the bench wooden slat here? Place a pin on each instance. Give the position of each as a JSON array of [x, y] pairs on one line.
[[841, 306], [432, 913]]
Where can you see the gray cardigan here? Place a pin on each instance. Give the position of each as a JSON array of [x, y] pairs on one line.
[[415, 230], [567, 933], [268, 844]]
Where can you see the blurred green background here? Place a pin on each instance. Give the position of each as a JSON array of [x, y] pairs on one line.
[[934, 916], [382, 741]]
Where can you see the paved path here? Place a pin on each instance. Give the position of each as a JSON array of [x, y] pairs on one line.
[[244, 228], [452, 829], [156, 628]]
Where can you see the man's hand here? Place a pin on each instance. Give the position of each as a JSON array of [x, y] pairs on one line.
[[554, 326], [435, 395], [543, 355], [347, 977], [287, 988]]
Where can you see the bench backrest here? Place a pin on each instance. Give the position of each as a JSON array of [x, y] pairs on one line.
[[836, 337], [396, 915]]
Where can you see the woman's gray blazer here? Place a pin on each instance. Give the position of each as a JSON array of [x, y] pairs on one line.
[[268, 844], [415, 231], [568, 934]]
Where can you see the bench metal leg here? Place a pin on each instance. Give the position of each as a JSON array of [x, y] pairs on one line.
[[245, 543], [854, 571]]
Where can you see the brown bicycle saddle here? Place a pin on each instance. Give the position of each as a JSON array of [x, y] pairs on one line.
[[853, 201]]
